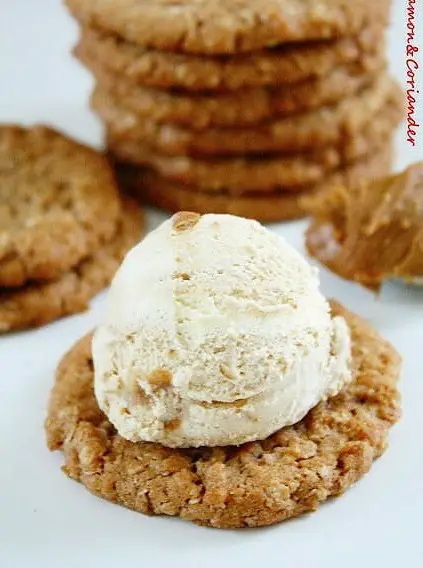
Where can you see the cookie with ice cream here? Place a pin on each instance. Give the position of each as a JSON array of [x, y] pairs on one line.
[[221, 386]]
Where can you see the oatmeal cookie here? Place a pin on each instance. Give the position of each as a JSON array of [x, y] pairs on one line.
[[36, 304], [331, 125], [58, 204], [266, 207], [261, 483], [228, 26], [237, 108], [283, 65]]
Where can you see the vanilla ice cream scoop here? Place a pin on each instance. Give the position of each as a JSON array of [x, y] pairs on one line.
[[215, 333]]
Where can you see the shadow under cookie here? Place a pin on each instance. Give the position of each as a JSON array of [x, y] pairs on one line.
[[256, 484]]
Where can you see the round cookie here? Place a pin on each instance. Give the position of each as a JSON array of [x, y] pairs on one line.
[[332, 125], [284, 65], [36, 304], [268, 207], [256, 484], [58, 203], [240, 108], [228, 26], [262, 173]]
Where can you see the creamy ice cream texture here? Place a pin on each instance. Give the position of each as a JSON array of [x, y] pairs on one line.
[[215, 333]]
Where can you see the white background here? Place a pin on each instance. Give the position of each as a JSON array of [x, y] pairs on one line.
[[46, 520]]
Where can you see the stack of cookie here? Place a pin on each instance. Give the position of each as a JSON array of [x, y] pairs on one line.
[[241, 106], [64, 229]]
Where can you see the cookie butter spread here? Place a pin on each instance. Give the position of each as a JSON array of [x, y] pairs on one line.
[[215, 333], [372, 232]]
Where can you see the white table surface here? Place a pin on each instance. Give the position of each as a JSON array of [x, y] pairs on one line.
[[46, 520]]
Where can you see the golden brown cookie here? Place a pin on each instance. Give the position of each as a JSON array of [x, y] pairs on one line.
[[372, 232], [269, 207], [256, 484], [237, 108], [283, 65], [58, 203], [34, 305], [332, 125], [151, 189], [258, 173], [228, 26]]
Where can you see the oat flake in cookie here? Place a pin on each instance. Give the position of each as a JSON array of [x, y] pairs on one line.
[[228, 26], [58, 204], [309, 387]]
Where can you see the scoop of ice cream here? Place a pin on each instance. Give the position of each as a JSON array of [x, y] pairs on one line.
[[215, 333]]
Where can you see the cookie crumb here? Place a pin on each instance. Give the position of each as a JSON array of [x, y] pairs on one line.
[[181, 276], [185, 220], [160, 378], [173, 424], [138, 395]]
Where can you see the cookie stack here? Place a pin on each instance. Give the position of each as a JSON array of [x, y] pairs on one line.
[[63, 227], [241, 106]]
